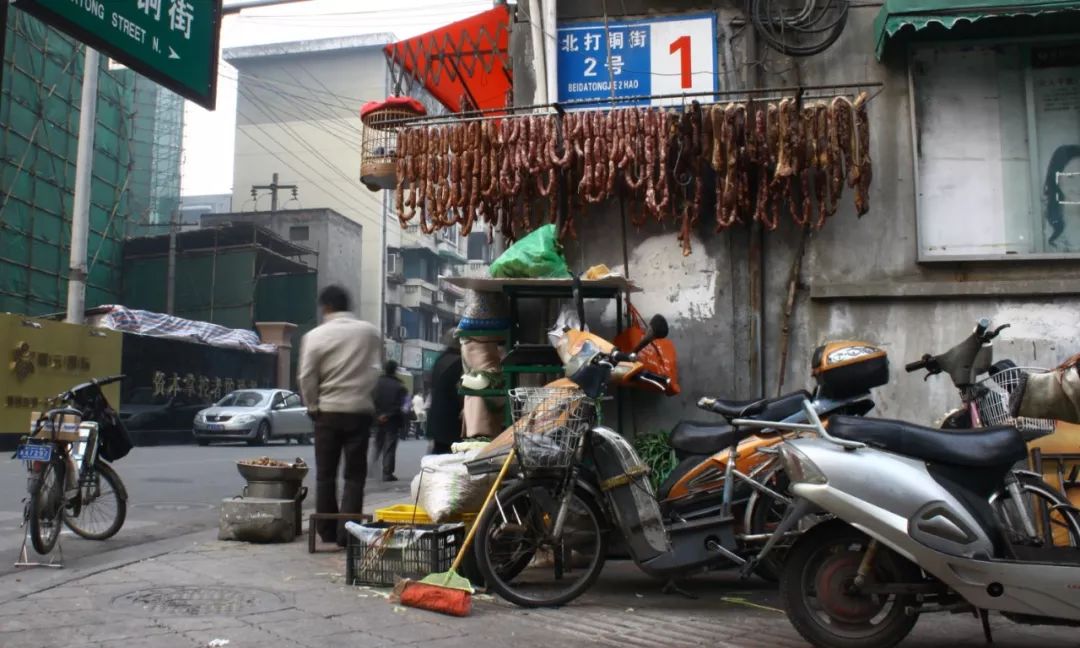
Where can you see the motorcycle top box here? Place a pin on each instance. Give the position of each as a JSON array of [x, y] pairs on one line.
[[844, 368]]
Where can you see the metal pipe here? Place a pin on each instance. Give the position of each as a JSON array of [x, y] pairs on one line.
[[80, 209], [550, 28], [759, 94], [540, 95], [170, 268]]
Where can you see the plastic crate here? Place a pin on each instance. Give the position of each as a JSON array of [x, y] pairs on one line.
[[412, 514], [409, 551]]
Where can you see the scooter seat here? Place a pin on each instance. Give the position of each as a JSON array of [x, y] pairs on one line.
[[978, 448], [694, 438], [766, 409]]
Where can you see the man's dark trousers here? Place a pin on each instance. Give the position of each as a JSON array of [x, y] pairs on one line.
[[386, 445], [337, 434]]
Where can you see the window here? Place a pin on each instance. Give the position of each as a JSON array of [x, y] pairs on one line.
[[292, 400], [298, 233], [997, 143], [279, 399]]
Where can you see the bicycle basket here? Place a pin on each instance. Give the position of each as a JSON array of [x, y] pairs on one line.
[[548, 425], [992, 400]]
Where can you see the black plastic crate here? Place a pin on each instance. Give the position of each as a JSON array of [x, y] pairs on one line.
[[412, 551]]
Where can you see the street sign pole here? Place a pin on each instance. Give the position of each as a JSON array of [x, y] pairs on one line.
[[80, 210]]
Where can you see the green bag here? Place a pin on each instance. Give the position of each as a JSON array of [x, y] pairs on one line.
[[538, 255]]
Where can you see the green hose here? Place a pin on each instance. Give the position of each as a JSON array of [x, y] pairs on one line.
[[657, 455]]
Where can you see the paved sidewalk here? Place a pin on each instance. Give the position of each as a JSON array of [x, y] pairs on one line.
[[197, 592]]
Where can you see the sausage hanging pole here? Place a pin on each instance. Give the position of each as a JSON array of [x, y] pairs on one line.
[[760, 94]]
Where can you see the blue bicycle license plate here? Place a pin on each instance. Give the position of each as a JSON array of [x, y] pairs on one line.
[[33, 452]]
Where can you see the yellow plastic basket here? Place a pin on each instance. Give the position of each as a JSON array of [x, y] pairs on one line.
[[411, 514]]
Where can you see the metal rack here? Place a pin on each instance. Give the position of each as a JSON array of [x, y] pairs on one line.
[[519, 289]]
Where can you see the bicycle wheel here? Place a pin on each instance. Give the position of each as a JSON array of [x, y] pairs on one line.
[[1052, 517], [104, 505], [46, 506], [517, 556]]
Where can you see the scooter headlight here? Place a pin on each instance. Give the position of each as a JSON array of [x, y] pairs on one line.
[[799, 468]]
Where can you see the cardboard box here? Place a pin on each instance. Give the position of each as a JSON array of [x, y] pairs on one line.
[[69, 428]]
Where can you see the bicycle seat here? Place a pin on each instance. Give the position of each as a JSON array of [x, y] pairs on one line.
[[978, 448], [766, 409], [692, 437]]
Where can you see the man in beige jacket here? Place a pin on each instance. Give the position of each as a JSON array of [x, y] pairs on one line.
[[337, 374]]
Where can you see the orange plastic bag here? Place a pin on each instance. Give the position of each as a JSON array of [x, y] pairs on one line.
[[659, 357]]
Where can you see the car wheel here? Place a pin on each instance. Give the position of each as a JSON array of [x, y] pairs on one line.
[[262, 435]]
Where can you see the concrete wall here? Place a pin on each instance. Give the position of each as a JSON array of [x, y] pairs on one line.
[[297, 115], [335, 239], [860, 278]]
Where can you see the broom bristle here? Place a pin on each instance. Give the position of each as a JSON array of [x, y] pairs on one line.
[[434, 598]]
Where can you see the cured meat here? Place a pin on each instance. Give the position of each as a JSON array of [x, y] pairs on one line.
[[862, 155]]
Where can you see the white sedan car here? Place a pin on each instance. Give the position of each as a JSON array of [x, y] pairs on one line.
[[255, 416]]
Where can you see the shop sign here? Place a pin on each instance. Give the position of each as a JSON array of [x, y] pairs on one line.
[[171, 42], [643, 58], [393, 350], [429, 359], [412, 357]]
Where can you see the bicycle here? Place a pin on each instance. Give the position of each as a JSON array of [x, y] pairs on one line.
[[77, 489]]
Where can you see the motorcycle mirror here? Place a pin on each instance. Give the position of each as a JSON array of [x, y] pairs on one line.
[[658, 330]]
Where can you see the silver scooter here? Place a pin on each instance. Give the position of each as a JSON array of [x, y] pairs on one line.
[[915, 531]]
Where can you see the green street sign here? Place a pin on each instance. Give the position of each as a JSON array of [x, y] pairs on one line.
[[172, 42]]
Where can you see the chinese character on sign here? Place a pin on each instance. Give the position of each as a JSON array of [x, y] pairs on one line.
[[151, 7], [189, 385], [180, 16], [230, 386], [215, 391], [569, 43], [615, 40], [616, 64], [592, 42], [174, 385], [638, 38], [159, 383], [204, 388]]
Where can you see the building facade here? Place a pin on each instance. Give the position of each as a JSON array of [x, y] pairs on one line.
[[298, 116], [973, 208], [333, 240]]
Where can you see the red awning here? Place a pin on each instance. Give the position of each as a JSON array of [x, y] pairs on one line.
[[464, 65]]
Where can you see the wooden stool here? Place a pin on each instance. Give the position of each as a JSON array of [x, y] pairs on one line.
[[315, 517]]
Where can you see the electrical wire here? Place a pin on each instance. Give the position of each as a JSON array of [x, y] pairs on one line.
[[798, 33]]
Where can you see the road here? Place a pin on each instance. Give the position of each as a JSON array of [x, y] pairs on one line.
[[173, 490]]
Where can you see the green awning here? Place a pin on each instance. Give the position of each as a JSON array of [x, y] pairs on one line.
[[916, 15]]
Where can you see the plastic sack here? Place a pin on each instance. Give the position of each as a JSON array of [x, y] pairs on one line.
[[538, 255], [568, 319], [659, 357], [445, 489]]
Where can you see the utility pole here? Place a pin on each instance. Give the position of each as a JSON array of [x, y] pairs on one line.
[[273, 188], [80, 210]]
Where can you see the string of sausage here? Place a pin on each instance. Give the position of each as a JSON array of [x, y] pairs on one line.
[[762, 155]]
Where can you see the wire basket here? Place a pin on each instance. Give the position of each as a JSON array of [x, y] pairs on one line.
[[549, 423], [992, 399]]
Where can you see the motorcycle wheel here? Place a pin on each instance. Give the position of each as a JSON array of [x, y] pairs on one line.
[[518, 560], [46, 507], [1053, 519], [816, 589], [764, 518], [103, 508]]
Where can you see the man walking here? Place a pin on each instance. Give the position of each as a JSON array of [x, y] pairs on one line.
[[390, 396], [337, 373]]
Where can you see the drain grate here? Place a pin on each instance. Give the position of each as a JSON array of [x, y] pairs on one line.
[[199, 601]]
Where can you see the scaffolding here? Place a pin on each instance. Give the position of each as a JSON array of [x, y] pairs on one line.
[[39, 116]]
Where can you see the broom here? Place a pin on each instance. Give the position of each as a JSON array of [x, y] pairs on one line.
[[450, 592]]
